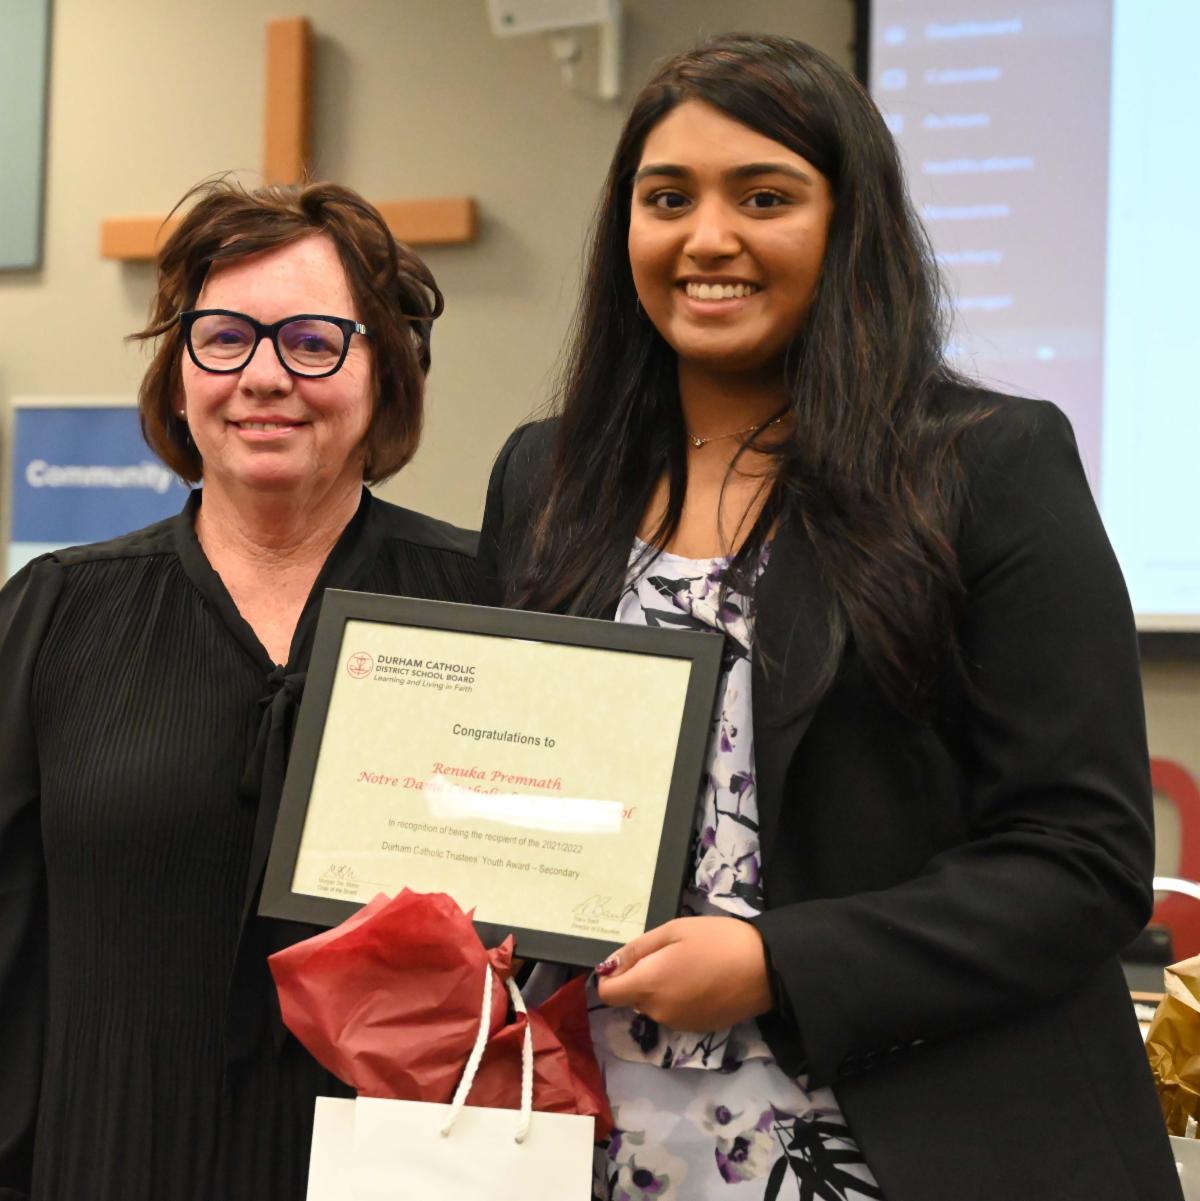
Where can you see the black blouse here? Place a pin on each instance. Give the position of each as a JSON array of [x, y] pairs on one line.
[[143, 738]]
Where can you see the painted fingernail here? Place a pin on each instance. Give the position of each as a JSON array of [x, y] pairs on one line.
[[609, 966]]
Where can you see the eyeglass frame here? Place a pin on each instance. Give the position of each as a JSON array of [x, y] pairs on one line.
[[347, 325]]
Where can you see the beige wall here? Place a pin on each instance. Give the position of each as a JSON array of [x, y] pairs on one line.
[[413, 97]]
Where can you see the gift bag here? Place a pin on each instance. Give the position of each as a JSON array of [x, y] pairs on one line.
[[371, 1149], [389, 1003], [1173, 1045], [1187, 1164]]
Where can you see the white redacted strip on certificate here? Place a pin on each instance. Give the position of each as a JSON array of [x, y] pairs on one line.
[[529, 780]]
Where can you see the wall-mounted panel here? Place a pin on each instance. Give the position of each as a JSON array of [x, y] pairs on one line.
[[24, 65]]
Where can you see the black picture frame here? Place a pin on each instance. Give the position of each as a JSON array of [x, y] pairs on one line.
[[702, 650]]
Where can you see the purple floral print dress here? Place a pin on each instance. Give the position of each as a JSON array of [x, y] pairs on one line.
[[710, 1115]]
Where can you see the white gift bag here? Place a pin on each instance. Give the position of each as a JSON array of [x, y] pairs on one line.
[[375, 1150], [1187, 1164]]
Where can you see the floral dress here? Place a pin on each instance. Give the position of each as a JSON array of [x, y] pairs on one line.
[[710, 1115]]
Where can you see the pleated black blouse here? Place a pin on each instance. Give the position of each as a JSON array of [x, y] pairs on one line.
[[143, 734]]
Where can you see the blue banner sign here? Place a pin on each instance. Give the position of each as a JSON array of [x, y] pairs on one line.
[[80, 472]]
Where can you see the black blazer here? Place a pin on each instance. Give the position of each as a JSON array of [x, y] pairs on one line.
[[946, 900]]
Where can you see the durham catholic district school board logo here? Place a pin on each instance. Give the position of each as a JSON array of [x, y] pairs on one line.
[[360, 664]]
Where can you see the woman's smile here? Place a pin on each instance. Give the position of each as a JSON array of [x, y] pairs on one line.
[[268, 429], [718, 299], [718, 290]]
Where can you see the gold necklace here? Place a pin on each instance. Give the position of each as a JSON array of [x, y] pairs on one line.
[[698, 442]]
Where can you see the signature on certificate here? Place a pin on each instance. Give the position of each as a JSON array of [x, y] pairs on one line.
[[601, 908], [340, 880]]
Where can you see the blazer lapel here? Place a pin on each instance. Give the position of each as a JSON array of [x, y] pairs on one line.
[[791, 646]]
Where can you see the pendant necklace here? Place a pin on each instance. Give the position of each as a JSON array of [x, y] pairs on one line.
[[698, 442]]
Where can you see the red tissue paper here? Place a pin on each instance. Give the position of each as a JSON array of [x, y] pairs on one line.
[[389, 1001]]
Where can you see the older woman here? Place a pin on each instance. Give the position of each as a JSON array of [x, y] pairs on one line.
[[149, 684]]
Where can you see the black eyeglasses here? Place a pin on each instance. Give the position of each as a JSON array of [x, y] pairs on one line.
[[310, 344]]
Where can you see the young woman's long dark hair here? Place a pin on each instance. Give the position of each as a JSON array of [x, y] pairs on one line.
[[870, 469]]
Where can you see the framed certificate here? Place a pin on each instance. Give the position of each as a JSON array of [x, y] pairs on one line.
[[541, 770]]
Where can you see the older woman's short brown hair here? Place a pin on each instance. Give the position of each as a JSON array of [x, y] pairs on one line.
[[395, 292]]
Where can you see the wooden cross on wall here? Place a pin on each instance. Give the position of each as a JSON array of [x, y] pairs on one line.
[[286, 139]]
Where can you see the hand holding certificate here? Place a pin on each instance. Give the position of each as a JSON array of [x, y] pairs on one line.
[[541, 770]]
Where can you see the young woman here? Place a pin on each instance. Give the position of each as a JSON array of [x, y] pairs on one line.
[[925, 829]]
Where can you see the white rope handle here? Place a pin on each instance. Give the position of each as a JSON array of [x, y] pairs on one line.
[[473, 1060], [464, 1085], [526, 1063]]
